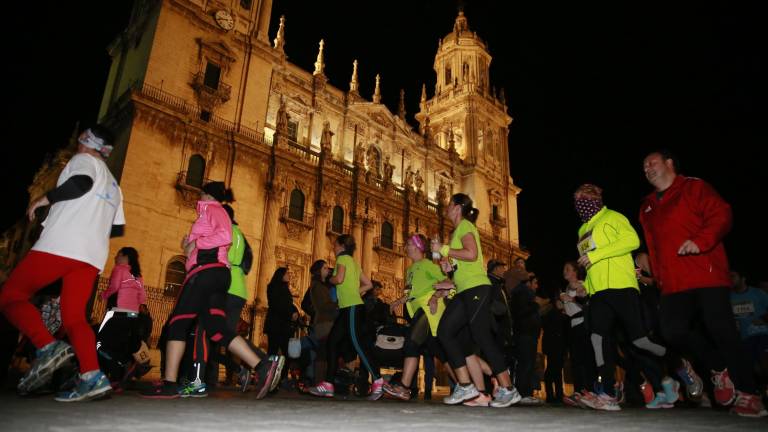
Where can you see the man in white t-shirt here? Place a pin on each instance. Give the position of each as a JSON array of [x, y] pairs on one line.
[[86, 206]]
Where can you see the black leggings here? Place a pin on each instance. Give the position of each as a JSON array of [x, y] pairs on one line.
[[209, 370], [419, 337], [470, 313], [608, 308], [583, 367], [682, 317], [203, 297], [346, 335], [553, 376]]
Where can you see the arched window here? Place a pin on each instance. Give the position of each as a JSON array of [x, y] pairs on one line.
[[296, 206], [196, 171], [337, 220], [387, 235], [175, 272]]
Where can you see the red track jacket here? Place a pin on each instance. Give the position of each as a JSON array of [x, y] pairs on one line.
[[689, 210]]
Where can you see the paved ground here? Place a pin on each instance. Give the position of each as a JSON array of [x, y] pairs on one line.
[[229, 411]]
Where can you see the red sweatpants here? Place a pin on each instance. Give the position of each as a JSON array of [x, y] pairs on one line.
[[37, 270]]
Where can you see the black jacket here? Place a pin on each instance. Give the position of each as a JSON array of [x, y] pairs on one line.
[[280, 308]]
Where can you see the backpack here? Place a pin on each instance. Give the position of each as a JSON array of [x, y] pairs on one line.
[[247, 260]]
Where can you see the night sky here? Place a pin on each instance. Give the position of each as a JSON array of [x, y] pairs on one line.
[[591, 89]]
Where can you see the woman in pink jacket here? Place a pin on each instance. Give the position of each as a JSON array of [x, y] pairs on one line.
[[126, 283], [119, 335], [203, 300]]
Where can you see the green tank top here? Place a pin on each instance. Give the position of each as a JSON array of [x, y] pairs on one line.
[[348, 291], [468, 274]]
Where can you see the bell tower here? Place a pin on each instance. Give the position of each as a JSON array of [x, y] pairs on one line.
[[468, 118]]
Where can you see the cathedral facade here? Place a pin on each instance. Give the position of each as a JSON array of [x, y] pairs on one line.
[[201, 90]]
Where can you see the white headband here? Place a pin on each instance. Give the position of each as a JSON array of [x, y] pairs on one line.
[[91, 141]]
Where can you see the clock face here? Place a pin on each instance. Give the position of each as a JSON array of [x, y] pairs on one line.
[[224, 20]]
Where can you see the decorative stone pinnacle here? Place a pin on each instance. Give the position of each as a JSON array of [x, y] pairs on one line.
[[320, 63], [280, 39], [377, 91], [353, 85]]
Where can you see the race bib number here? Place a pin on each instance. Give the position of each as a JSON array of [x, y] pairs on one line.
[[586, 244], [743, 309]]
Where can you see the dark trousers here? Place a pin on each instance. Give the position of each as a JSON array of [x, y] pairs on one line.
[[553, 376], [617, 312], [347, 335], [682, 317], [277, 341], [583, 367], [525, 353]]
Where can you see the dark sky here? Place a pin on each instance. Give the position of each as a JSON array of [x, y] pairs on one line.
[[591, 89]]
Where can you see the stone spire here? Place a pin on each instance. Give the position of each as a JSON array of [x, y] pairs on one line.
[[353, 85], [280, 39], [461, 24], [320, 62], [377, 91], [401, 105]]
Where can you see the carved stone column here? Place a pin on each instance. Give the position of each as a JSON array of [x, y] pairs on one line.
[[318, 245], [367, 246], [357, 233], [267, 264]]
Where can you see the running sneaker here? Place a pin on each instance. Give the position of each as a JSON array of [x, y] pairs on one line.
[[601, 402], [161, 390], [725, 393], [377, 389], [324, 389], [195, 389], [482, 400], [278, 372], [94, 387], [660, 401], [244, 378], [397, 391], [531, 401], [647, 390], [267, 374], [671, 389], [694, 386], [460, 394], [47, 360], [572, 400], [618, 390], [748, 405], [504, 397]]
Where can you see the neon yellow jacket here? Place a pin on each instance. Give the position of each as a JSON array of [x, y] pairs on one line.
[[609, 239]]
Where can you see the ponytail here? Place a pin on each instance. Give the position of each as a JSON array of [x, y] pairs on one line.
[[467, 211], [471, 215]]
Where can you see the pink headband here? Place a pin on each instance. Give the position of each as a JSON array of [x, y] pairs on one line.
[[418, 243]]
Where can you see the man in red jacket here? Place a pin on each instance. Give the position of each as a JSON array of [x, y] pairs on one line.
[[685, 221]]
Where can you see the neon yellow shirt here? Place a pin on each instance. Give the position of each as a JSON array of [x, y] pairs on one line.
[[608, 239], [468, 274], [421, 277], [348, 290]]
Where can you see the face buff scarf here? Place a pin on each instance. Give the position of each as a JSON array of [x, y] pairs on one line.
[[588, 208]]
